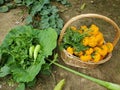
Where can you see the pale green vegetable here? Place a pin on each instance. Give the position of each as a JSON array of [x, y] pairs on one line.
[[60, 85], [37, 49], [31, 51]]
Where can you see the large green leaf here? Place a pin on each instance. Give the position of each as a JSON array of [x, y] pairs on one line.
[[5, 70], [48, 37], [4, 9]]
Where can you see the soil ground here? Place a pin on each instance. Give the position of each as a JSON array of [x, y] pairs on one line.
[[109, 71]]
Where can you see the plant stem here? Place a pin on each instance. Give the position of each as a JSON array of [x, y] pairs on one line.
[[108, 85]]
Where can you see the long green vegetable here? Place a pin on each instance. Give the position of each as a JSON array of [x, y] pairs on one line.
[[108, 85], [60, 85]]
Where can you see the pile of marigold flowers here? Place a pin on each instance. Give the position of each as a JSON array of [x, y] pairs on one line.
[[95, 47]]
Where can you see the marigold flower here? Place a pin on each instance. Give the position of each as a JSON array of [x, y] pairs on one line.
[[73, 28], [96, 57], [89, 51], [85, 58], [70, 50], [110, 47]]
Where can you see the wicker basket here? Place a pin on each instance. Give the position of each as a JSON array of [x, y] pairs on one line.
[[75, 61]]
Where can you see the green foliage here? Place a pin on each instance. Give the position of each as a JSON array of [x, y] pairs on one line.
[[42, 14], [4, 9], [1, 2], [73, 38], [21, 86], [17, 1], [14, 52], [64, 2]]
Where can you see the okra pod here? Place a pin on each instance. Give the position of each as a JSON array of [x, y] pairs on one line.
[[31, 51], [37, 49]]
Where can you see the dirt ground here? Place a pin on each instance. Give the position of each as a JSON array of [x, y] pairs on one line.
[[108, 71]]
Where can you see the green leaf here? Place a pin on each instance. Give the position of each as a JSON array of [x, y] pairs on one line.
[[4, 9], [17, 1], [28, 20], [29, 2], [21, 86], [22, 75], [10, 5], [5, 70], [37, 6], [48, 38], [1, 2], [31, 83]]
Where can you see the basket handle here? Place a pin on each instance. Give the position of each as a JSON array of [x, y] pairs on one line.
[[117, 29]]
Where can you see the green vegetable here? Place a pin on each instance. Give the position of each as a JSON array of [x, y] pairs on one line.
[[108, 85], [59, 86], [14, 52], [31, 51], [73, 39], [37, 49]]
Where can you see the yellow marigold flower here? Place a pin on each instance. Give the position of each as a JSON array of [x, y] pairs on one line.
[[80, 31], [73, 28], [80, 53], [76, 53], [84, 27], [110, 47], [98, 50], [85, 58], [100, 42], [89, 51], [70, 50], [104, 50], [96, 57], [94, 29], [92, 41], [99, 36], [85, 41]]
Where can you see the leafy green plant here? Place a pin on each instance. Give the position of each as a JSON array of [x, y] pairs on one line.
[[15, 59], [42, 14], [73, 39]]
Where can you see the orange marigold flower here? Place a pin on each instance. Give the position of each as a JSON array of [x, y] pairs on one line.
[[92, 41], [110, 47], [85, 58], [70, 50], [89, 51], [96, 57], [85, 41], [94, 29], [73, 28]]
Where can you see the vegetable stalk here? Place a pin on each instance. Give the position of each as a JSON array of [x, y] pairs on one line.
[[108, 85]]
